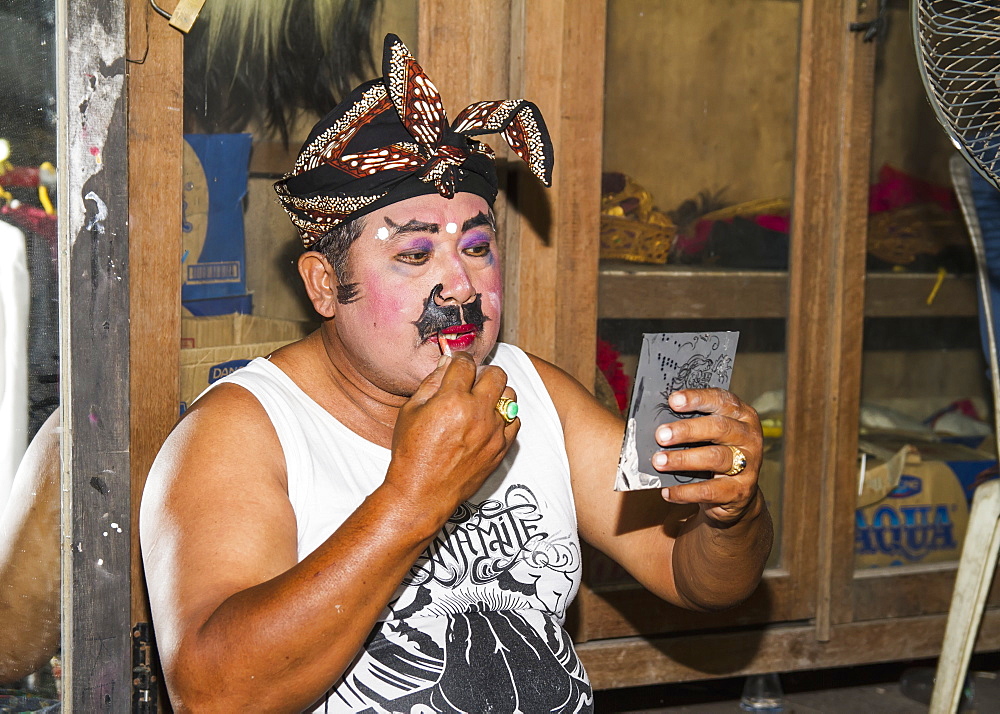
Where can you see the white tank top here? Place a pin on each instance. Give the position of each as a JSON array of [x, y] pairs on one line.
[[477, 624]]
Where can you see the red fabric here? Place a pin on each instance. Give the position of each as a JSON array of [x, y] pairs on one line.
[[780, 224], [25, 176], [695, 244], [32, 218], [895, 189], [610, 365]]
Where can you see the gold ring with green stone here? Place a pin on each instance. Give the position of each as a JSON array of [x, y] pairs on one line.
[[507, 408]]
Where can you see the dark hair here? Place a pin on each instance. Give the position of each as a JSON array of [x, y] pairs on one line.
[[335, 246], [253, 62]]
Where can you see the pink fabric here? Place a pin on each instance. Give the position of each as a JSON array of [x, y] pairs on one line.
[[895, 189]]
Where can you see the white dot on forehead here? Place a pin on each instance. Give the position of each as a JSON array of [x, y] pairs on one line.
[[451, 228], [382, 233]]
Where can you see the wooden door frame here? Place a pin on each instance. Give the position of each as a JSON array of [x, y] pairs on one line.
[[155, 179]]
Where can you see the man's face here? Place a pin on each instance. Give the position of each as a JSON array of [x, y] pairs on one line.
[[427, 269]]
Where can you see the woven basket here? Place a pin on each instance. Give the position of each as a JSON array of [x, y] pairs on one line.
[[635, 241]]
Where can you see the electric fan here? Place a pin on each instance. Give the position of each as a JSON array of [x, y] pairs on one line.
[[958, 52]]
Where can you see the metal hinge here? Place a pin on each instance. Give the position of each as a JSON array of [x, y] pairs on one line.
[[143, 679], [873, 29]]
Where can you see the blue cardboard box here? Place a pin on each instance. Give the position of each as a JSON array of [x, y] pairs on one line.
[[213, 259]]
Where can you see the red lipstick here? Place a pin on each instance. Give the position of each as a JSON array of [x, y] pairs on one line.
[[456, 338]]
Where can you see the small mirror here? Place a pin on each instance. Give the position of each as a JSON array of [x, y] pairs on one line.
[[29, 361]]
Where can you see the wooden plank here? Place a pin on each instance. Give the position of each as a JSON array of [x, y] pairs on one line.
[[532, 255], [155, 177], [628, 611], [94, 331], [477, 36], [631, 662], [464, 48], [906, 295], [681, 292], [854, 162], [577, 183], [562, 70], [908, 591], [678, 293]]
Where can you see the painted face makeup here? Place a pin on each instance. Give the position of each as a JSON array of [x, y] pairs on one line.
[[458, 324], [421, 289]]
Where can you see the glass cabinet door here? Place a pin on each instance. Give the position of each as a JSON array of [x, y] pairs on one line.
[[256, 80], [926, 409], [699, 152], [30, 656]]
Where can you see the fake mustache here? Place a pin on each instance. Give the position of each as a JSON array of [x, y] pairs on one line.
[[436, 317]]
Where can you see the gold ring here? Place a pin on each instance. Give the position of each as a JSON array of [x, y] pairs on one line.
[[508, 409], [739, 462]]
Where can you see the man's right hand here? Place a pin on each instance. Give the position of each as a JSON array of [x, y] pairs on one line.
[[449, 437]]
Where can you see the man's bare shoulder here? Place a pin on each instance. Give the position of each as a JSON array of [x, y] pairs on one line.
[[558, 382], [215, 516], [228, 421], [226, 414], [225, 438]]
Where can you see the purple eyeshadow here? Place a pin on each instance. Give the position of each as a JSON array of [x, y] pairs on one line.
[[474, 239], [421, 244]]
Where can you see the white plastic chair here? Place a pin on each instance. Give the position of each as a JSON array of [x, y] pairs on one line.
[[982, 538]]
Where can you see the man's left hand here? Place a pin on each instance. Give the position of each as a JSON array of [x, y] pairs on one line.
[[728, 422]]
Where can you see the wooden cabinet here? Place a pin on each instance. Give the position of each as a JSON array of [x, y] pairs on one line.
[[814, 609], [852, 110]]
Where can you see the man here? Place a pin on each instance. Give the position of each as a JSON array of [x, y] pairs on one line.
[[372, 520], [29, 559]]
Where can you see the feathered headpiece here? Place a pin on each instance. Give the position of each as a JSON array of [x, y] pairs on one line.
[[390, 140]]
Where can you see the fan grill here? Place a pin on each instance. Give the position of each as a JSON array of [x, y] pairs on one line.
[[958, 48]]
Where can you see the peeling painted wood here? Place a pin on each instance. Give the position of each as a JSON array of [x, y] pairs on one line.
[[94, 329]]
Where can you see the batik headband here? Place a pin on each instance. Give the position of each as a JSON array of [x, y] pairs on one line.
[[390, 140]]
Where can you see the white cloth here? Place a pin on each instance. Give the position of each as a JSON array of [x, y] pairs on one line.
[[477, 624], [14, 302]]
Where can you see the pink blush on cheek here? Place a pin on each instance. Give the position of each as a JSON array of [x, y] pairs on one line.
[[494, 299], [381, 306], [492, 292]]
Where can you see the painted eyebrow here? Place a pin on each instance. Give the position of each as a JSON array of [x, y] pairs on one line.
[[411, 226], [480, 219]]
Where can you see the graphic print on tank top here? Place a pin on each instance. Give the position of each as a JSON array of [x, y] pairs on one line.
[[476, 626]]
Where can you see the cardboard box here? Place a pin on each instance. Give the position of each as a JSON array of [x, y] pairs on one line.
[[206, 365], [213, 260], [237, 329], [924, 516], [242, 304]]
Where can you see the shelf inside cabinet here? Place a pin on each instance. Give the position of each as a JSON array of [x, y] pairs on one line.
[[629, 291]]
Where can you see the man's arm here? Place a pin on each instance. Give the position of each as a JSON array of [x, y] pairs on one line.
[[701, 546], [240, 625], [29, 559]]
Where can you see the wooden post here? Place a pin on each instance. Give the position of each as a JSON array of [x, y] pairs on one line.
[[155, 178], [826, 300], [94, 335]]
